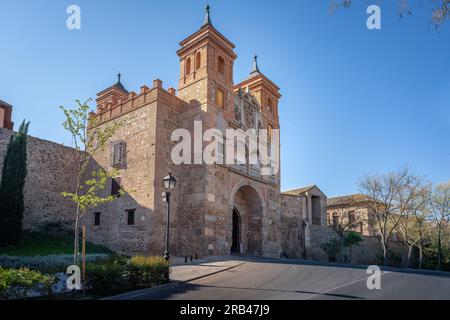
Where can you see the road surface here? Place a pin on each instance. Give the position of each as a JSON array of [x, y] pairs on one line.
[[271, 279]]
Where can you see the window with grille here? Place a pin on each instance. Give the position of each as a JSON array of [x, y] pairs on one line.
[[118, 154]]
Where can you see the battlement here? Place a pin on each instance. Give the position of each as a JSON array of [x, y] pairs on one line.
[[116, 101]]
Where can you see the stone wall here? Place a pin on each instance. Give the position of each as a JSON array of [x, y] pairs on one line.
[[51, 169], [293, 238], [368, 252]]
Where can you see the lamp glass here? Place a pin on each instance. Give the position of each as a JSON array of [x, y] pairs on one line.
[[169, 182]]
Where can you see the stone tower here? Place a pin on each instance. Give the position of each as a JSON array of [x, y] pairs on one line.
[[206, 69]]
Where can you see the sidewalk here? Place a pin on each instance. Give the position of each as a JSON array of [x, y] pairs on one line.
[[184, 272], [196, 269]]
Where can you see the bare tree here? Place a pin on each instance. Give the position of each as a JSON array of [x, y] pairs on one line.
[[440, 9], [412, 227], [440, 204], [388, 200]]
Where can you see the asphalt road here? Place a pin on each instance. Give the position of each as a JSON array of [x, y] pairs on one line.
[[260, 280]]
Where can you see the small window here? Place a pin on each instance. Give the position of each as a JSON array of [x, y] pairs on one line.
[[351, 217], [97, 218], [335, 220], [220, 98], [116, 185], [118, 154], [130, 216], [198, 60], [188, 66], [221, 65]]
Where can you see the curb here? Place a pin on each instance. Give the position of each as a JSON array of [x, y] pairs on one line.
[[130, 295]]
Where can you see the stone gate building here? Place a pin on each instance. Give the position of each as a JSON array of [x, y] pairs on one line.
[[215, 209]]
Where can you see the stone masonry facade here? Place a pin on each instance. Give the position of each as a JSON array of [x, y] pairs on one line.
[[50, 171]]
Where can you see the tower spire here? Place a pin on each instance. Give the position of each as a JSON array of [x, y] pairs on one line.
[[255, 64], [207, 20], [118, 78]]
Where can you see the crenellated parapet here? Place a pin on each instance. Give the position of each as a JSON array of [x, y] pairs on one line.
[[116, 101]]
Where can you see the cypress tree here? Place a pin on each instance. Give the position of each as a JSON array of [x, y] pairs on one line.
[[11, 187]]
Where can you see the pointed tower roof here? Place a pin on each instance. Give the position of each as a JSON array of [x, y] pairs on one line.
[[255, 71], [207, 20], [117, 85], [207, 32]]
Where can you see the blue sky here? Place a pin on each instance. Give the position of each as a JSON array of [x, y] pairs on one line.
[[354, 100]]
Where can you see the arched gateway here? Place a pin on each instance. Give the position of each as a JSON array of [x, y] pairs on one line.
[[247, 221]]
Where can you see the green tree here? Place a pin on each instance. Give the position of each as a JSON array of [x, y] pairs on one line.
[[14, 173], [89, 137], [352, 239]]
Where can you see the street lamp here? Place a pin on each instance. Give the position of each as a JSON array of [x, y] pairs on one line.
[[169, 184], [304, 225]]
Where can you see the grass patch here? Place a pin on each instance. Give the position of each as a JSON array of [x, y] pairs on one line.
[[41, 244]]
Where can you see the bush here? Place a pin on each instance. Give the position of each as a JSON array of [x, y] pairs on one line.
[[106, 277], [147, 271], [332, 249], [18, 283]]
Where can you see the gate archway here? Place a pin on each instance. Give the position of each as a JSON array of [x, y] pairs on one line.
[[248, 229]]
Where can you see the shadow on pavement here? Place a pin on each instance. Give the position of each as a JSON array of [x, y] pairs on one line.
[[183, 288]]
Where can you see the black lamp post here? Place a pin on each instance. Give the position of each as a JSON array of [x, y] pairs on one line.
[[169, 184], [304, 225]]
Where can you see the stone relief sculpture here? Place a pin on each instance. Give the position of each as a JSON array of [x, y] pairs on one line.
[[237, 112], [249, 115]]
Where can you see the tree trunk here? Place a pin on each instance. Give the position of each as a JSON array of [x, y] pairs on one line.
[[439, 256], [76, 237], [408, 259], [384, 248], [341, 241], [420, 257]]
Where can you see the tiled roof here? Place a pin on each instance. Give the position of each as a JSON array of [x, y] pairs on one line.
[[346, 200]]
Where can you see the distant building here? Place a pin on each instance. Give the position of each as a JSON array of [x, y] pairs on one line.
[[6, 115], [352, 207]]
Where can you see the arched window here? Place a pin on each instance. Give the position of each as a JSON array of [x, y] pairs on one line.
[[188, 66], [221, 65], [198, 61]]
